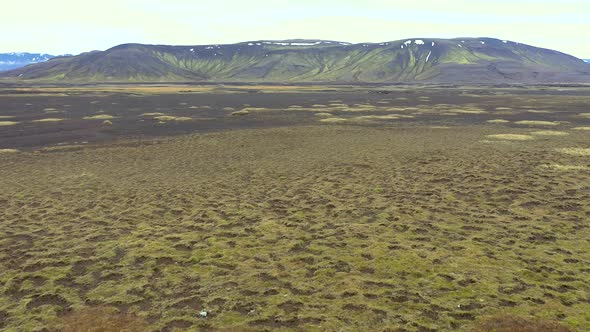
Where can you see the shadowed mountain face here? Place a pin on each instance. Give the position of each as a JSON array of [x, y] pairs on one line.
[[460, 60], [15, 60]]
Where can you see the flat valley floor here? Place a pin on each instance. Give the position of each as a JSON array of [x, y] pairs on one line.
[[295, 208]]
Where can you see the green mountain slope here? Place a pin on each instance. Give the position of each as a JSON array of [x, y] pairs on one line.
[[461, 60]]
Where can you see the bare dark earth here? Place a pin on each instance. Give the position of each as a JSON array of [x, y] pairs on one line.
[[210, 108]]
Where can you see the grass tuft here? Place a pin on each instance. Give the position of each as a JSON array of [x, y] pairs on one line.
[[153, 114], [537, 123], [575, 151], [49, 120], [510, 323], [511, 137], [549, 133], [567, 167], [8, 123], [8, 151], [333, 120], [172, 118], [324, 114], [242, 112], [99, 117], [101, 319]]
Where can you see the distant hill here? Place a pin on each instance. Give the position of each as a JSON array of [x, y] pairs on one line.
[[459, 60], [20, 59], [587, 60]]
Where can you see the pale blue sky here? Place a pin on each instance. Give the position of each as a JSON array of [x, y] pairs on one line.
[[68, 26]]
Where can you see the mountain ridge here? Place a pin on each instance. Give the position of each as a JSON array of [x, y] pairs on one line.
[[457, 60], [15, 60]]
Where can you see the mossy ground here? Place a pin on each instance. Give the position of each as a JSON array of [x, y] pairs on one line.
[[322, 227]]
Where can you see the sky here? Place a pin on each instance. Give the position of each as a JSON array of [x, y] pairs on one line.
[[76, 26]]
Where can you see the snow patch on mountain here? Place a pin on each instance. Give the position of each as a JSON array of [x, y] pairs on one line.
[[15, 60]]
